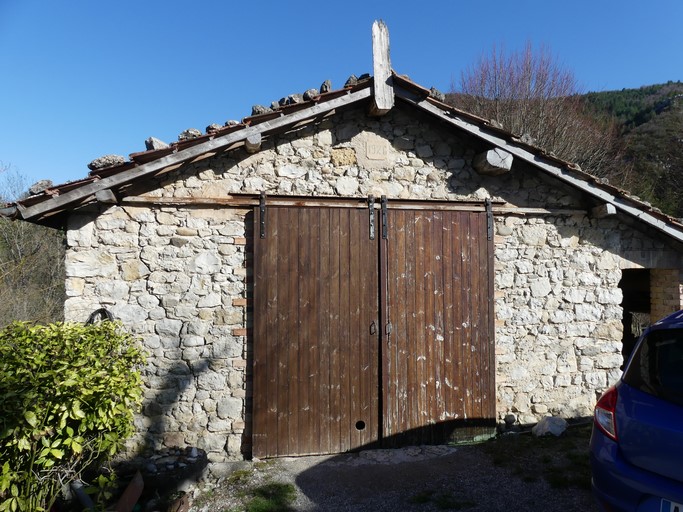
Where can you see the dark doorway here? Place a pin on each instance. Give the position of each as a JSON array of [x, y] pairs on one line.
[[635, 286]]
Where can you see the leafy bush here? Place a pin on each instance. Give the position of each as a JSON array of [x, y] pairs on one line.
[[68, 393]]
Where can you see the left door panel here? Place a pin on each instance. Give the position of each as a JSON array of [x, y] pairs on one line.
[[315, 317]]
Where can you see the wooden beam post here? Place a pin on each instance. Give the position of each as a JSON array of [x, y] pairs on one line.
[[383, 89], [106, 196], [603, 210], [493, 162], [253, 143]]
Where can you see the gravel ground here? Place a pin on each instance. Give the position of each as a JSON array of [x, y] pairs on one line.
[[427, 478]]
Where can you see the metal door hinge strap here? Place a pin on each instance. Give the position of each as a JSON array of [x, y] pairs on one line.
[[489, 219], [371, 208], [385, 232], [262, 214]]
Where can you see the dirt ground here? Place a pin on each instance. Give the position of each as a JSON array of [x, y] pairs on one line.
[[529, 474]]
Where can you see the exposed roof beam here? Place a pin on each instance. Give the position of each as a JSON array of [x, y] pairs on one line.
[[253, 143], [105, 197], [603, 210], [186, 155], [554, 169], [493, 162]]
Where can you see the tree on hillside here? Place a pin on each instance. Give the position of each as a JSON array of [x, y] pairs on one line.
[[31, 263], [530, 94]]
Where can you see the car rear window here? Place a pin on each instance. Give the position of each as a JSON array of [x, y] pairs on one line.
[[656, 366]]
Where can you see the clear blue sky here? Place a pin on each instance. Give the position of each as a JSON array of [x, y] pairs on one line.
[[85, 78]]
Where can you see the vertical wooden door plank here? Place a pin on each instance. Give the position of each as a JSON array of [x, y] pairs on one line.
[[260, 404], [323, 412], [335, 340], [280, 279], [345, 368]]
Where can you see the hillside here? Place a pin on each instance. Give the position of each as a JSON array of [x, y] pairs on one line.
[[650, 121]]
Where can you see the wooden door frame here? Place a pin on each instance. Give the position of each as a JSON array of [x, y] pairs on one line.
[[384, 315]]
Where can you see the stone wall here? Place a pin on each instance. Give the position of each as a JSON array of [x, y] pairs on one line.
[[665, 293], [559, 330], [179, 277]]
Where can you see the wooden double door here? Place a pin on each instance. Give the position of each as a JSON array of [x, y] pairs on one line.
[[371, 328]]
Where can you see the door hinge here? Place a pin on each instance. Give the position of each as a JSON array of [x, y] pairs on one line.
[[373, 328], [371, 208], [489, 219], [262, 214], [385, 228], [388, 328]]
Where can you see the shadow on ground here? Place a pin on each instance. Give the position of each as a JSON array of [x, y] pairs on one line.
[[519, 473]]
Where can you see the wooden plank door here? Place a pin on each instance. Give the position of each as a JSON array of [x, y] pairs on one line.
[[316, 312], [438, 360]]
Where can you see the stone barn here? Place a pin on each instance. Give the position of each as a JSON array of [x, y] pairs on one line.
[[364, 266]]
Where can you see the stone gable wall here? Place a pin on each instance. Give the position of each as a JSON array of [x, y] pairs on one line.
[[179, 277]]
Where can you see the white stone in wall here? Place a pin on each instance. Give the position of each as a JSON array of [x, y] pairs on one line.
[[610, 296], [534, 236], [168, 327], [74, 286], [346, 186], [289, 171], [90, 263], [112, 290], [80, 230], [588, 312], [209, 301], [211, 381], [131, 315], [540, 287], [205, 263], [229, 407]]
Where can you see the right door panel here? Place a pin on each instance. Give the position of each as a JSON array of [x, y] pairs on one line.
[[438, 358]]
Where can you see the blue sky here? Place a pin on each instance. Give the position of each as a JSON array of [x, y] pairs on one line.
[[85, 78]]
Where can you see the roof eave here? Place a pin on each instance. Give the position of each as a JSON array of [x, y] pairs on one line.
[[554, 167], [86, 192]]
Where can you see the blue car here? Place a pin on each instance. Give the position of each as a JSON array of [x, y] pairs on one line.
[[636, 447]]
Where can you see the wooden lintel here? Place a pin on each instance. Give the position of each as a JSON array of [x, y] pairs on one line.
[[493, 162], [383, 90], [253, 143], [603, 210], [106, 196]]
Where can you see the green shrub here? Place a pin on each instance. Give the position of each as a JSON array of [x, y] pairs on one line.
[[68, 393]]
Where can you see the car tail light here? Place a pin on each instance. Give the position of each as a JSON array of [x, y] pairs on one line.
[[605, 413]]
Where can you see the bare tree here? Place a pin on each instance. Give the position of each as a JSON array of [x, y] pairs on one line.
[[530, 94], [31, 263]]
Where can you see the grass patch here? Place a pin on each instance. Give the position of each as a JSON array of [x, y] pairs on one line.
[[253, 489], [562, 461], [239, 476], [271, 497]]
